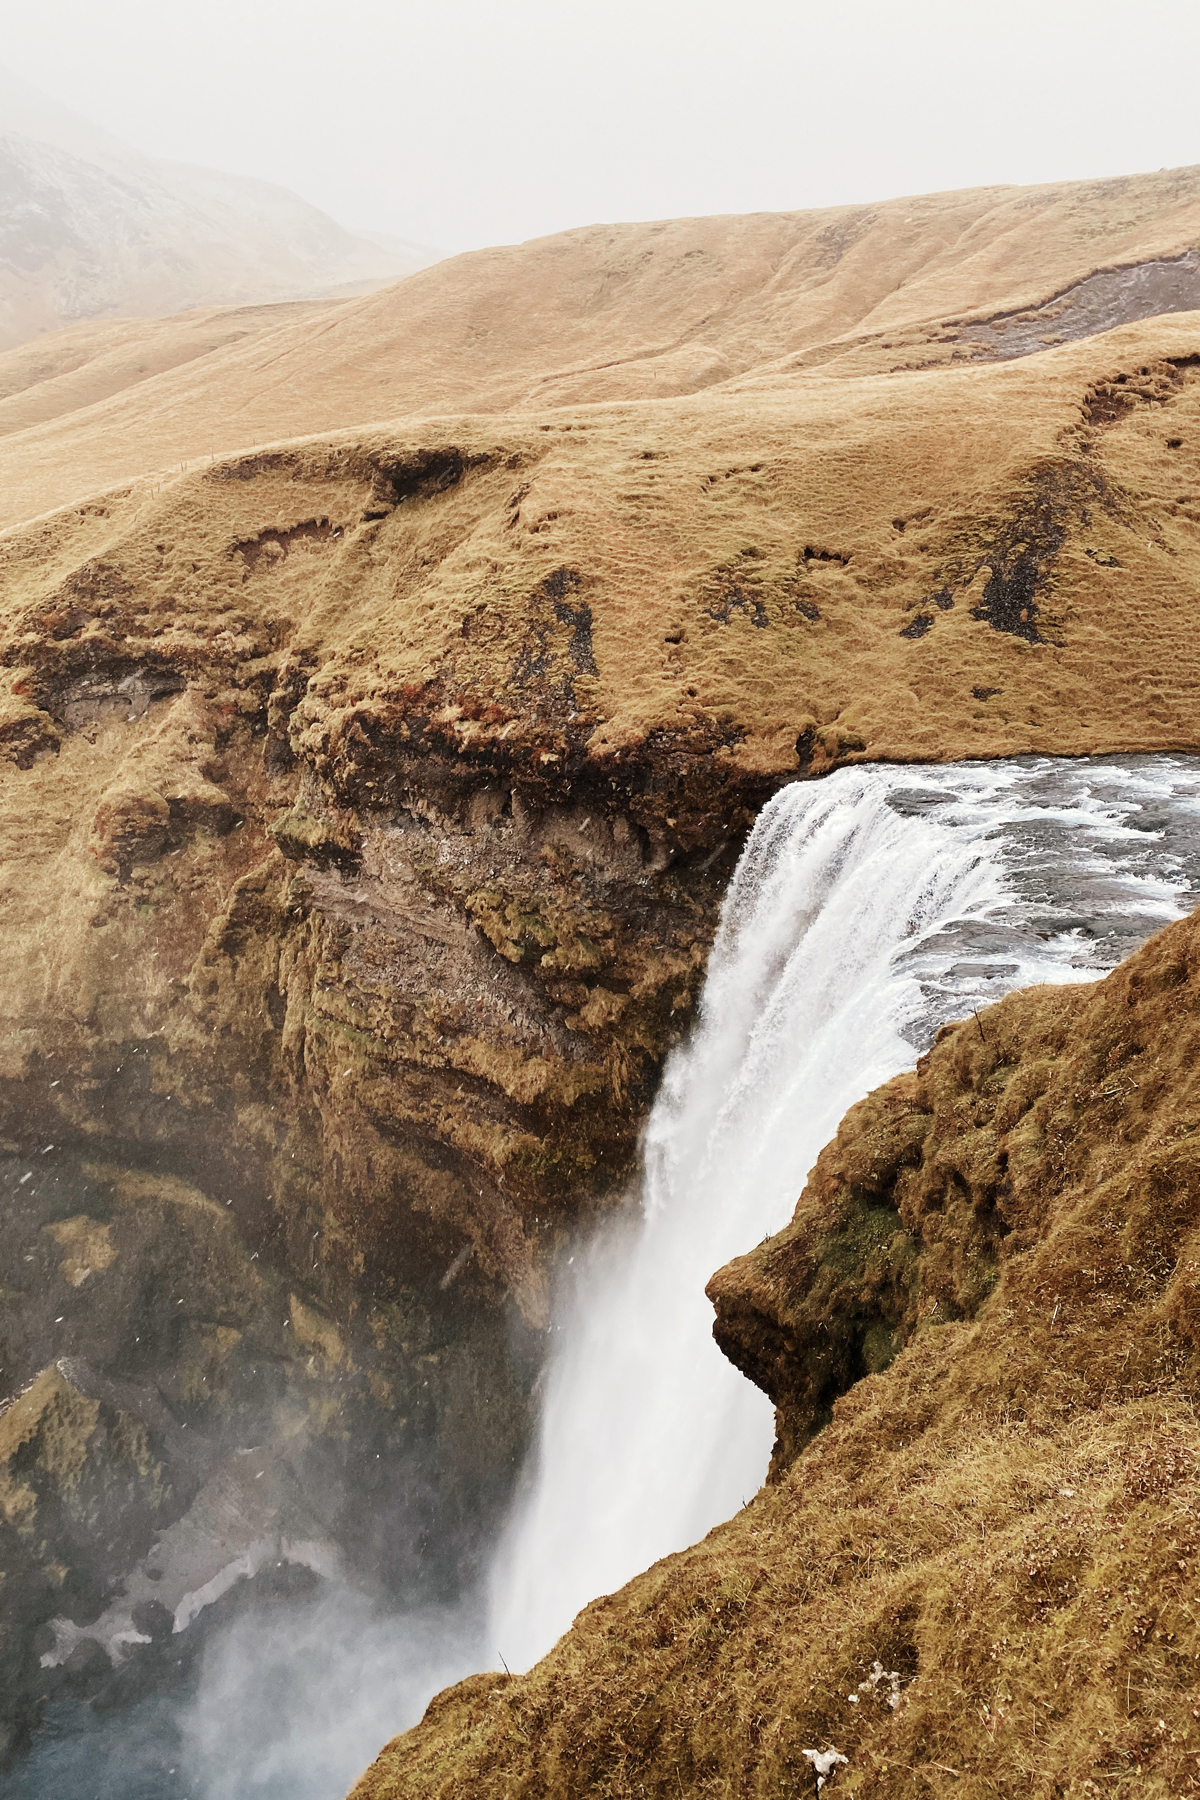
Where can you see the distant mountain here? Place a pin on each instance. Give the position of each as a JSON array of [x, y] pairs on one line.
[[90, 228]]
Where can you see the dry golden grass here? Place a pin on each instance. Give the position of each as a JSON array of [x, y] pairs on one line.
[[971, 562], [70, 370], [1007, 1516], [611, 313]]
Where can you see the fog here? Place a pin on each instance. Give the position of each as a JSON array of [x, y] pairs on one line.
[[278, 1715], [472, 123]]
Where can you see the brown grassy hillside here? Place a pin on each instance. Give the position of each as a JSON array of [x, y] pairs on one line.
[[585, 646], [66, 371], [645, 312], [1006, 1515]]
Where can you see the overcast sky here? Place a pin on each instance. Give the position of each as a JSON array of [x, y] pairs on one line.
[[466, 122]]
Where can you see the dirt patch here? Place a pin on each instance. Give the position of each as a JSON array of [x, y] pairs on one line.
[[270, 549], [249, 468], [917, 628], [427, 473], [1009, 565], [558, 642]]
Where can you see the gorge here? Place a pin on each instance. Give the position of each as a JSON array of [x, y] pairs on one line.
[[385, 806], [866, 911]]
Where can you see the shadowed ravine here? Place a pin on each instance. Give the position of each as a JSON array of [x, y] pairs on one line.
[[867, 910]]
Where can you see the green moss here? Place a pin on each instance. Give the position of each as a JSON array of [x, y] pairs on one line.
[[880, 1347], [307, 836], [872, 1234]]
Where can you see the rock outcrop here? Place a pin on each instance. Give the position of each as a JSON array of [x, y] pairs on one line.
[[306, 1069], [975, 1565], [203, 1420]]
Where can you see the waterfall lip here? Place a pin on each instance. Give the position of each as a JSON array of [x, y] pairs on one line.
[[866, 910]]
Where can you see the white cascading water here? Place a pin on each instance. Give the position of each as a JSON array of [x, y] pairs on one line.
[[841, 948]]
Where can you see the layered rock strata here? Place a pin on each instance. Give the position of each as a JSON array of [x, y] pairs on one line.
[[310, 1058]]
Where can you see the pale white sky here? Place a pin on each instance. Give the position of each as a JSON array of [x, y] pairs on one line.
[[468, 122]]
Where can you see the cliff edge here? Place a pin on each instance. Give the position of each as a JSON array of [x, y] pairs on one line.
[[974, 1568]]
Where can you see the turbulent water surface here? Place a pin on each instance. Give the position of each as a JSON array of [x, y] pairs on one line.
[[867, 909]]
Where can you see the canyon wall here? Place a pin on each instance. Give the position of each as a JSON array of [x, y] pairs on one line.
[[382, 791], [365, 808]]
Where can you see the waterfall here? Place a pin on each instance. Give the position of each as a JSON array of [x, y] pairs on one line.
[[866, 909]]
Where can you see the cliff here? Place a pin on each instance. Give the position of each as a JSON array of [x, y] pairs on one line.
[[366, 799], [201, 1424], [973, 1570], [381, 790]]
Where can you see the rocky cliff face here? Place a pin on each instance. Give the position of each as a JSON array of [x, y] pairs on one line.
[[975, 1565], [199, 1417], [320, 1035], [365, 806], [366, 811]]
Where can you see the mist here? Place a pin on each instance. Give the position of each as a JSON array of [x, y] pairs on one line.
[[473, 124], [290, 1702], [295, 1709]]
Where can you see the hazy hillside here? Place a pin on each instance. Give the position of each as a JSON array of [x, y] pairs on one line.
[[634, 312], [89, 228]]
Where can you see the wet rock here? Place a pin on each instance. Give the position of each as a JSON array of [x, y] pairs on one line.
[[223, 1436]]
